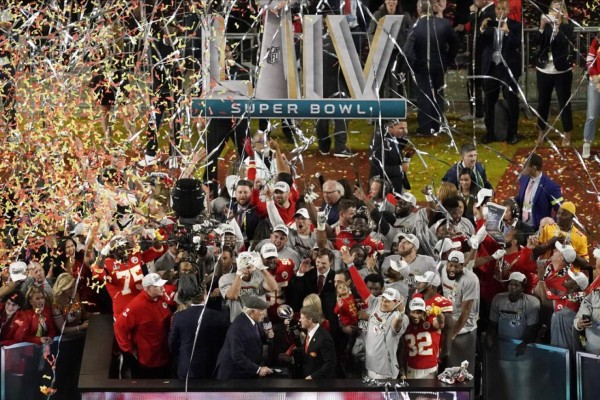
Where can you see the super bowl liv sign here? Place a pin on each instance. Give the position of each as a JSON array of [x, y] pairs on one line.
[[278, 91]]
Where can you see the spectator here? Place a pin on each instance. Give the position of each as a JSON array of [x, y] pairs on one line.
[[37, 278], [468, 154], [461, 286], [388, 158], [588, 320], [206, 343], [430, 49], [39, 325], [422, 341], [11, 319], [319, 350], [467, 191], [501, 62], [554, 63], [593, 98], [240, 356], [538, 196], [480, 11], [68, 311], [142, 330]]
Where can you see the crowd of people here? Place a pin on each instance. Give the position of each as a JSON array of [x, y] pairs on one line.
[[270, 277], [278, 280]]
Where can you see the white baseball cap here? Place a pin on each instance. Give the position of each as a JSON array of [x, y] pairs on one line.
[[407, 197], [517, 276], [409, 237], [417, 304], [482, 194], [567, 251], [281, 186], [579, 278], [17, 271], [392, 294], [282, 228], [303, 212], [456, 257], [153, 279], [446, 244], [429, 277], [268, 250]]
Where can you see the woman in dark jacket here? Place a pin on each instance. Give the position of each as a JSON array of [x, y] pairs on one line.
[[554, 64]]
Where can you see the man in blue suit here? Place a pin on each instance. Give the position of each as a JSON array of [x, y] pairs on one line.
[[213, 328], [430, 49], [241, 355], [468, 154], [539, 196]]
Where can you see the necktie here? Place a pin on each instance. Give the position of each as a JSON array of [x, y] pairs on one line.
[[306, 344], [257, 330], [320, 283], [527, 200], [496, 56], [348, 7]]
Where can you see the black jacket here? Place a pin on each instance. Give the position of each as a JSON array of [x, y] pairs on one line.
[[560, 46], [241, 355], [388, 160], [319, 359], [432, 43], [210, 340], [511, 47]]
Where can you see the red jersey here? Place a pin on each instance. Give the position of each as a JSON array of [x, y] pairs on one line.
[[521, 261], [422, 344], [348, 312], [344, 237], [283, 275], [124, 280], [442, 302], [555, 290], [144, 327]]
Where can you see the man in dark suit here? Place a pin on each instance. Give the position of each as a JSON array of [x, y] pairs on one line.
[[241, 355], [317, 280], [539, 196], [501, 53], [388, 159], [319, 350], [430, 48], [468, 154], [481, 10], [213, 328]]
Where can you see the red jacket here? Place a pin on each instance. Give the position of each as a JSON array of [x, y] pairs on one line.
[[144, 327], [593, 65], [32, 322], [13, 331]]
